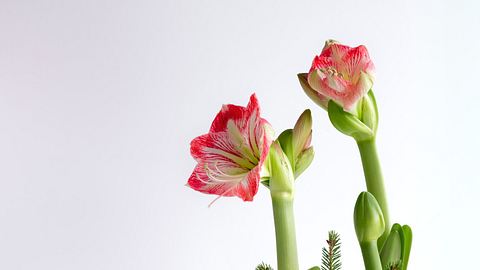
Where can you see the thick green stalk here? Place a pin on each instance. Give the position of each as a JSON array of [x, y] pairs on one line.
[[287, 258], [371, 259], [374, 181]]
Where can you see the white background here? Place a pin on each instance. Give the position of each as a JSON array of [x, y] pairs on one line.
[[100, 99]]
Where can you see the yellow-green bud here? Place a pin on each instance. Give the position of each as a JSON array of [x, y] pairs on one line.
[[295, 143], [368, 218]]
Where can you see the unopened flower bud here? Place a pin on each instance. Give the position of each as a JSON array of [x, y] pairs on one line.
[[296, 143], [368, 218]]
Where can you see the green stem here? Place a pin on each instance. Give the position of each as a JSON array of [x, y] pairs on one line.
[[371, 259], [374, 181], [285, 231]]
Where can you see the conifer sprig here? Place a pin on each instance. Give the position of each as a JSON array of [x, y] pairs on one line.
[[263, 266], [331, 256]]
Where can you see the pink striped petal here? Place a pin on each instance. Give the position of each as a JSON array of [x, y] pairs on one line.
[[237, 113], [243, 185]]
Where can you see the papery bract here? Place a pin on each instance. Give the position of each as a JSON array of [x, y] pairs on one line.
[[341, 73], [231, 155]]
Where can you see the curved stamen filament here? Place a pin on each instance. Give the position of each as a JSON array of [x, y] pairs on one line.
[[223, 193], [219, 171], [245, 163]]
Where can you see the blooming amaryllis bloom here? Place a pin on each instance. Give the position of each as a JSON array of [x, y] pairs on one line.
[[230, 156], [341, 73]]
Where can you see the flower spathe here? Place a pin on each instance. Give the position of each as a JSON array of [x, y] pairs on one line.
[[342, 74], [230, 156]]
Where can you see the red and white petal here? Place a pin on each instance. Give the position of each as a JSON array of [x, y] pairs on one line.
[[249, 186], [218, 147], [357, 91], [331, 86], [265, 135], [243, 185], [335, 51], [240, 139], [237, 113], [356, 61], [228, 111], [321, 62]]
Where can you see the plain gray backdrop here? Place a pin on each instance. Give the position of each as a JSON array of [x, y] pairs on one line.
[[99, 101]]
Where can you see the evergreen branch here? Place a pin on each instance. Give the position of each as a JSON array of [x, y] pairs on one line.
[[263, 266], [331, 256]]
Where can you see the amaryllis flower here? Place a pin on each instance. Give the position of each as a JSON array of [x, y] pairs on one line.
[[340, 73], [231, 155]]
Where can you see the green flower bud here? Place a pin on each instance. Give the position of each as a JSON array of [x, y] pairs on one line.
[[302, 133], [368, 218], [296, 143]]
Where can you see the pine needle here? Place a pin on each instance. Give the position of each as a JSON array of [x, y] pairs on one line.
[[263, 266], [331, 256]]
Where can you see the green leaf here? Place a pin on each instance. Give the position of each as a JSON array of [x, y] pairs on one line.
[[314, 268], [407, 245]]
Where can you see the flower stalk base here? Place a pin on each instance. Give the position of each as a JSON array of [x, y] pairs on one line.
[[287, 258], [370, 255]]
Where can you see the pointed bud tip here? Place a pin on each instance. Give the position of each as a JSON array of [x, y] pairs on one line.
[[302, 133]]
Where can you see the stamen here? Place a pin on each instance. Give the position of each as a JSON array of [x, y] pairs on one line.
[[214, 178], [238, 160], [219, 171], [221, 195]]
